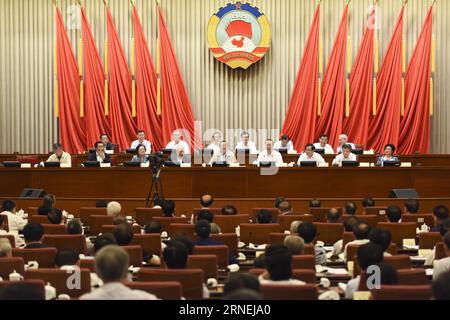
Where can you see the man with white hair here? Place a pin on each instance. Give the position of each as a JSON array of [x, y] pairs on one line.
[[5, 248], [179, 156], [343, 139], [245, 143], [223, 154], [270, 155], [176, 141], [113, 209], [215, 143]]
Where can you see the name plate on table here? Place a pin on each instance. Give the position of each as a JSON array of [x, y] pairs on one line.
[[406, 164], [145, 165], [105, 165], [382, 212], [283, 165], [292, 152], [424, 252], [185, 165], [364, 164], [324, 165], [109, 151], [409, 242], [25, 165], [368, 152], [235, 165], [361, 295]]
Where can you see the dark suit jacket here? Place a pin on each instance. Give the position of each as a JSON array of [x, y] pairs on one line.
[[92, 156]]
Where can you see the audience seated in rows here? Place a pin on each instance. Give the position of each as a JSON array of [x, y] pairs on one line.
[[294, 244], [264, 216], [33, 233], [368, 202], [113, 209], [333, 216], [307, 231], [411, 206], [441, 214], [382, 238], [350, 208], [315, 203], [349, 223], [285, 208], [16, 223], [278, 201], [229, 210], [394, 214], [361, 231]]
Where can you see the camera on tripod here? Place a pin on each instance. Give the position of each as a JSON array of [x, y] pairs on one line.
[[156, 161]]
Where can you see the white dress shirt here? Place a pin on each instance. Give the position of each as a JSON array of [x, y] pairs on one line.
[[289, 146], [352, 287], [339, 149], [15, 224], [228, 157], [146, 143], [117, 291], [65, 160], [440, 267], [250, 145], [315, 157], [340, 157], [265, 157], [356, 242], [173, 145], [214, 147], [328, 149]]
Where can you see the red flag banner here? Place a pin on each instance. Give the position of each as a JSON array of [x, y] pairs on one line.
[[147, 118], [299, 123], [415, 125], [356, 126], [71, 126], [122, 125], [333, 90], [94, 93], [384, 128]]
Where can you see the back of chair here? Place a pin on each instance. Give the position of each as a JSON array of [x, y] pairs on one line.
[[54, 228], [401, 261], [400, 231], [31, 159], [351, 252], [370, 219], [306, 261], [45, 257], [167, 221], [150, 243], [347, 237], [428, 240], [320, 214], [375, 211], [412, 277], [289, 292], [274, 212], [329, 233], [11, 239], [309, 249], [228, 239], [145, 215], [285, 221], [419, 219], [220, 251], [97, 221], [277, 238], [228, 224], [165, 290], [37, 286], [182, 230], [207, 262], [440, 252], [75, 242], [308, 276], [38, 219], [135, 254], [257, 233], [62, 280], [400, 292], [85, 213], [9, 265], [190, 279], [110, 228], [32, 211], [87, 264]]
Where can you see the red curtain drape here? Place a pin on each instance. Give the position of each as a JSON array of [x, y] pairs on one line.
[[356, 126], [122, 124], [71, 126], [94, 84], [384, 128], [147, 118], [300, 120], [415, 125], [176, 107], [333, 90]]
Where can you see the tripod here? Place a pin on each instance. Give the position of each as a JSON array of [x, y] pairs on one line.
[[156, 188]]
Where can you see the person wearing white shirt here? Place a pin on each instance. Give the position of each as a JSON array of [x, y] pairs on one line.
[[178, 156], [443, 265], [270, 155], [176, 140], [245, 143], [361, 232], [15, 222], [284, 143], [60, 156], [215, 143], [346, 155], [223, 155], [310, 155], [141, 140], [343, 140], [323, 145]]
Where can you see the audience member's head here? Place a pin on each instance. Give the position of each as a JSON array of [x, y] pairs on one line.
[[119, 220], [153, 227], [294, 244], [175, 255], [206, 201], [368, 202], [205, 215], [349, 223], [9, 205], [44, 210], [361, 231], [307, 231], [49, 201], [215, 229], [158, 202], [285, 207], [21, 291], [123, 234], [188, 243], [381, 237], [333, 216], [104, 240], [444, 227], [278, 262], [440, 213], [412, 206], [264, 216], [260, 261], [441, 289], [74, 227], [203, 229], [369, 254], [113, 209], [238, 281], [350, 208], [294, 226], [66, 258], [315, 203], [168, 208], [5, 248], [111, 264], [229, 210], [33, 232], [278, 201], [55, 216], [388, 274], [393, 213], [243, 295]]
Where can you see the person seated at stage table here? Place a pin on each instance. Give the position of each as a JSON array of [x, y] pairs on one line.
[[270, 155], [389, 150], [99, 155], [141, 155], [223, 154], [343, 140], [310, 155], [245, 143], [346, 155], [215, 142], [176, 141], [323, 145], [108, 144], [59, 155], [179, 156], [141, 140], [284, 143]]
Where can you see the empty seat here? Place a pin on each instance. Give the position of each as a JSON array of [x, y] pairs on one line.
[[274, 212], [145, 215], [190, 279], [110, 228], [320, 214], [97, 221], [329, 233], [86, 212], [135, 255], [400, 292], [11, 239], [32, 211], [305, 261], [286, 220], [410, 277], [54, 228], [289, 292], [9, 265], [75, 242], [401, 261], [166, 221], [228, 239], [182, 230], [228, 224], [206, 262], [257, 233], [45, 257], [37, 286], [150, 243], [428, 240], [39, 219], [165, 290], [87, 264], [400, 231], [419, 219], [221, 251], [63, 280]]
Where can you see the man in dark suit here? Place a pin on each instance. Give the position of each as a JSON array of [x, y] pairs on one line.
[[108, 144], [33, 233], [99, 154]]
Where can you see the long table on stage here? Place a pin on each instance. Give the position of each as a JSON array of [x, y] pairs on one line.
[[243, 182]]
